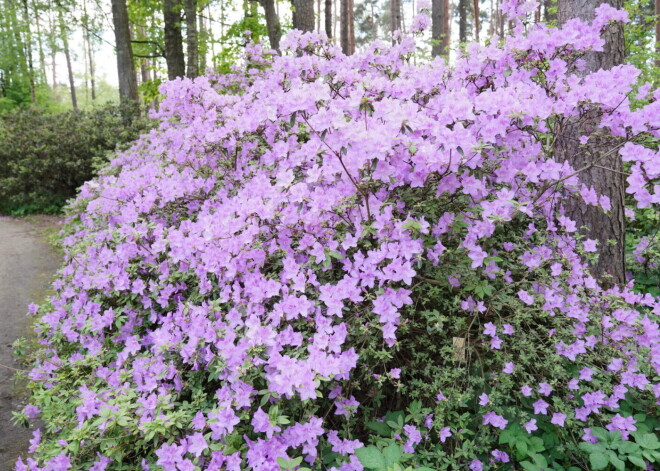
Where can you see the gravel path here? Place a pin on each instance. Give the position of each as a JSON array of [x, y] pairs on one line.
[[27, 266]]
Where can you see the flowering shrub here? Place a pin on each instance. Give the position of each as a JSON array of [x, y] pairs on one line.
[[329, 262]]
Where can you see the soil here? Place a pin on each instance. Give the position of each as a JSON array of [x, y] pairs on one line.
[[27, 267]]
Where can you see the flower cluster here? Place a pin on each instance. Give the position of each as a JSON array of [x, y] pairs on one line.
[[237, 279]]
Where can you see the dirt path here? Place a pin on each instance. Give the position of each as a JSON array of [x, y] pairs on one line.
[[27, 266]]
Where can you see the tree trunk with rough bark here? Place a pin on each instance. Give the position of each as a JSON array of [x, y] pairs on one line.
[[395, 17], [303, 15], [462, 20], [440, 27], [477, 23], [125, 66], [657, 32], [328, 18], [607, 179], [67, 55], [28, 51], [192, 43], [272, 23], [176, 66], [347, 31]]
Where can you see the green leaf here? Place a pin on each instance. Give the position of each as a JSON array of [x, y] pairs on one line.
[[648, 441], [371, 457], [628, 448], [591, 447], [521, 447], [598, 461], [540, 461], [392, 454], [637, 461], [617, 463], [529, 466], [380, 428]]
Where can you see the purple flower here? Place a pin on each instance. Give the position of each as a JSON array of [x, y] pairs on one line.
[[526, 297], [558, 419], [590, 245], [497, 421], [197, 443], [445, 433], [509, 368], [261, 423], [476, 465], [500, 456], [395, 373], [545, 389], [530, 426], [483, 399], [541, 407], [526, 390]]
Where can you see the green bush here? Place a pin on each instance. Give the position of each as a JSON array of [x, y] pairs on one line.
[[45, 157]]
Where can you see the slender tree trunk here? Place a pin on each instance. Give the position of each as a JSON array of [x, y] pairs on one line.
[[125, 66], [657, 33], [28, 51], [192, 43], [303, 15], [176, 66], [40, 44], [462, 20], [272, 23], [347, 27], [395, 17], [90, 52], [440, 27], [477, 20], [318, 15], [203, 41], [592, 221], [67, 55], [328, 18]]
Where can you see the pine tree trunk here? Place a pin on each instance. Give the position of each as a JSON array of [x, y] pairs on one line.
[[90, 52], [328, 18], [40, 43], [192, 39], [125, 66], [477, 22], [347, 27], [440, 27], [462, 20], [657, 32], [203, 41], [592, 221], [303, 15], [28, 51], [67, 55], [176, 66], [395, 17], [272, 23]]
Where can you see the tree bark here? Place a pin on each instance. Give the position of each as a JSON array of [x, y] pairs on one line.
[[395, 17], [462, 20], [28, 51], [440, 27], [176, 66], [67, 55], [347, 27], [657, 32], [593, 222], [192, 43], [90, 52], [272, 23], [477, 22], [328, 18], [125, 67], [303, 15]]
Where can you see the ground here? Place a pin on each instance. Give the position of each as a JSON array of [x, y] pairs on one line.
[[27, 267]]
